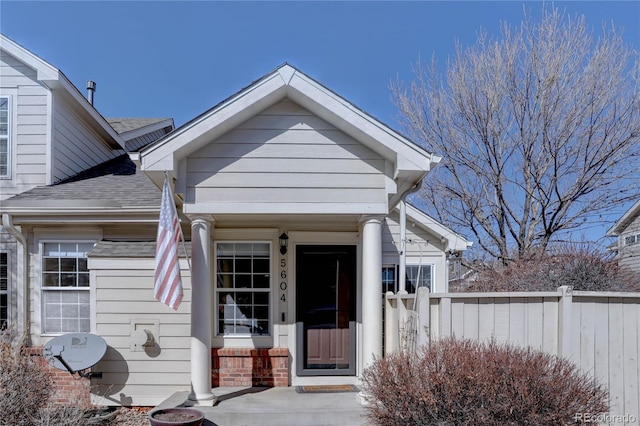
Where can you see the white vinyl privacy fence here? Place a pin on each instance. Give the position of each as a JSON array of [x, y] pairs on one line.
[[598, 331]]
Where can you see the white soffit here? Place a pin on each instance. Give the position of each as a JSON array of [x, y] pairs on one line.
[[624, 221]]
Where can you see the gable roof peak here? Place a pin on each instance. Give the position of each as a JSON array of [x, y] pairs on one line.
[[410, 162], [286, 71]]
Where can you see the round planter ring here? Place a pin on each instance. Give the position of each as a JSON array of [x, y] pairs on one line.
[[179, 416]]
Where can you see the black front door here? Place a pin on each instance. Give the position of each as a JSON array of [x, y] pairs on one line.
[[325, 309]]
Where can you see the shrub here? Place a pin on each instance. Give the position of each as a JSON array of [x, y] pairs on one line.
[[462, 382], [24, 386], [26, 390], [582, 269]]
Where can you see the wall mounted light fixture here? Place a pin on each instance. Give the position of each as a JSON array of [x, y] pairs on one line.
[[284, 241]]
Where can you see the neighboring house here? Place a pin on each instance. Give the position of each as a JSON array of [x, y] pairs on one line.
[[627, 232], [285, 156], [49, 134]]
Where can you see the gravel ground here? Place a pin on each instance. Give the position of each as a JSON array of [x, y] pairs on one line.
[[121, 416], [131, 417]]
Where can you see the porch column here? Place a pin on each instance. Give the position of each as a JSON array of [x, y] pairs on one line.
[[371, 289], [201, 310]]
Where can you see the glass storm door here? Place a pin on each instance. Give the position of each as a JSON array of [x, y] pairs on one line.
[[325, 310]]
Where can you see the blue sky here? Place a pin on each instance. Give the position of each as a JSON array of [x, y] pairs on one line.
[[178, 59]]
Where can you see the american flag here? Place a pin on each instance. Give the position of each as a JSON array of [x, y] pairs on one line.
[[168, 283]]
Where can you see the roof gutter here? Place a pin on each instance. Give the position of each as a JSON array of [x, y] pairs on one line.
[[403, 236], [23, 312]]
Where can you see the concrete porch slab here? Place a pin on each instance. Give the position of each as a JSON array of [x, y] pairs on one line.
[[279, 406]]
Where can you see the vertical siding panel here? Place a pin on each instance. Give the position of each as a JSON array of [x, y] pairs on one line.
[[516, 321], [630, 318], [471, 319], [550, 325], [457, 318], [501, 326], [601, 341], [587, 334], [616, 355], [533, 322], [445, 317], [486, 318], [435, 317], [574, 351]]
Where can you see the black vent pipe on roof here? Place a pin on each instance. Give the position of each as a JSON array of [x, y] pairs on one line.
[[91, 88]]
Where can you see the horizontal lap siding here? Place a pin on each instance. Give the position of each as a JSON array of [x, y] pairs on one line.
[[429, 246], [421, 248], [629, 255], [284, 155], [144, 140], [139, 377], [28, 131], [77, 147]]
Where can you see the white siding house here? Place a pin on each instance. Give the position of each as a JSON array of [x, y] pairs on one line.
[[284, 157], [627, 231], [49, 134]]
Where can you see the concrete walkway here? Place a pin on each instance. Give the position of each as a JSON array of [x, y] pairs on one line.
[[277, 407]]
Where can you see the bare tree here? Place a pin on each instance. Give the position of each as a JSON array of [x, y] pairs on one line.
[[539, 131]]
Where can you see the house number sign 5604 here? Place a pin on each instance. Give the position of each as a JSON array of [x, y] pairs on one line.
[[283, 289]]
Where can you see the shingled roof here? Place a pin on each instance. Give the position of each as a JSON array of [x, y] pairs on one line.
[[116, 180], [123, 125], [128, 249]]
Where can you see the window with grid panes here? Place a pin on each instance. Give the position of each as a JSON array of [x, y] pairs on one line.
[[389, 279], [4, 289], [4, 136], [65, 287], [413, 281], [632, 239], [243, 285]]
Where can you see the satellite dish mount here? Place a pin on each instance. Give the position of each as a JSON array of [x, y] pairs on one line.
[[76, 352]]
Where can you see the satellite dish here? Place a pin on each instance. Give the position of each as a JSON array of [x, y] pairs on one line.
[[75, 352]]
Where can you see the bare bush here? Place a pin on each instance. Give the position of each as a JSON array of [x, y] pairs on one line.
[[581, 269], [56, 415], [26, 390], [24, 386], [461, 382]]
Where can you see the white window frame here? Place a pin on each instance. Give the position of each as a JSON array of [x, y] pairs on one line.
[[394, 268], [6, 321], [7, 137], [268, 291], [46, 289], [632, 240], [424, 267]]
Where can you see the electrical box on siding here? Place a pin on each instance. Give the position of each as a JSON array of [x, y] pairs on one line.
[[144, 334]]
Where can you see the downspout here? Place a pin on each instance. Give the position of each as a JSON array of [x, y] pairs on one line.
[[435, 159], [23, 322], [402, 287], [403, 238]]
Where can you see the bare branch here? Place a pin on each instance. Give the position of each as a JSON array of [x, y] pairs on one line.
[[539, 130]]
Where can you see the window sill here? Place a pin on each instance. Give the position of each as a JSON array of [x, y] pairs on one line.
[[251, 342]]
